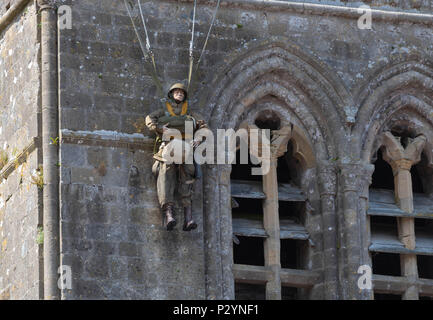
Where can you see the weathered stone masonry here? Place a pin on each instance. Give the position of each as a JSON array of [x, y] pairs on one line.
[[340, 87]]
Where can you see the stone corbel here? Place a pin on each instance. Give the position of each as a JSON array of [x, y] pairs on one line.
[[401, 160], [47, 4], [327, 179], [278, 140], [394, 150], [350, 173]]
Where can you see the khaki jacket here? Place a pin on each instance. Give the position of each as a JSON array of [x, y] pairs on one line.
[[157, 119]]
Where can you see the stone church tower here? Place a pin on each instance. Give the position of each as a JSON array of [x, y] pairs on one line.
[[345, 211]]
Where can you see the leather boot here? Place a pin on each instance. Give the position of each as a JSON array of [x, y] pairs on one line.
[[169, 220], [189, 224]]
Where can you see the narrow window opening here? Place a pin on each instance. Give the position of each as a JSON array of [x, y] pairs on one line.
[[416, 179], [268, 119], [424, 225], [381, 224], [422, 176], [248, 209], [283, 171], [289, 293], [243, 171], [387, 264], [247, 291], [288, 167], [425, 266], [291, 253], [291, 210], [249, 251], [383, 177]]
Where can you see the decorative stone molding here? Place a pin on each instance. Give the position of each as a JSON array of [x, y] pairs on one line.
[[323, 9], [400, 157], [104, 138], [279, 140], [366, 179], [327, 179], [401, 160], [351, 174], [47, 4], [405, 81], [261, 71]]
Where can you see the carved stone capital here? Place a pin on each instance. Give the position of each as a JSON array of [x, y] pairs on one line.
[[401, 158], [401, 164], [277, 143], [327, 179], [279, 140], [349, 177], [356, 177], [366, 179], [47, 4]]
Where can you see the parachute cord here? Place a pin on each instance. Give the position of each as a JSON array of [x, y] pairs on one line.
[[208, 34], [136, 31], [191, 46], [147, 36], [146, 55]]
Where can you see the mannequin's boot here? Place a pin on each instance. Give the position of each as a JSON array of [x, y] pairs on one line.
[[169, 220], [189, 224]]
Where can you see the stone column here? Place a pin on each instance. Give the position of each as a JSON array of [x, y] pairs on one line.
[[271, 223], [401, 160], [354, 230], [271, 220], [350, 231], [328, 191], [365, 182], [211, 230], [226, 232], [50, 152]]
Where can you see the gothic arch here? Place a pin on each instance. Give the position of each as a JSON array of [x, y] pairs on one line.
[[404, 88], [301, 89], [276, 68]]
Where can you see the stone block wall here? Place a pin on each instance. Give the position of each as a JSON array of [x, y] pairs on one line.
[[112, 229], [111, 226], [20, 197], [402, 5], [112, 234]]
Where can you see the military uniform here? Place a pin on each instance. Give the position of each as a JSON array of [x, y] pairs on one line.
[[173, 177]]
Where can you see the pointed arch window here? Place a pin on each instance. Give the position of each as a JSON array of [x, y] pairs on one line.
[[401, 221], [270, 240]]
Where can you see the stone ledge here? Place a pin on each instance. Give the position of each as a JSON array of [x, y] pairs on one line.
[[319, 9], [105, 138], [19, 159]]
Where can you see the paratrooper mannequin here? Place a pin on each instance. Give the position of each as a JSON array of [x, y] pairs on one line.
[[172, 176]]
